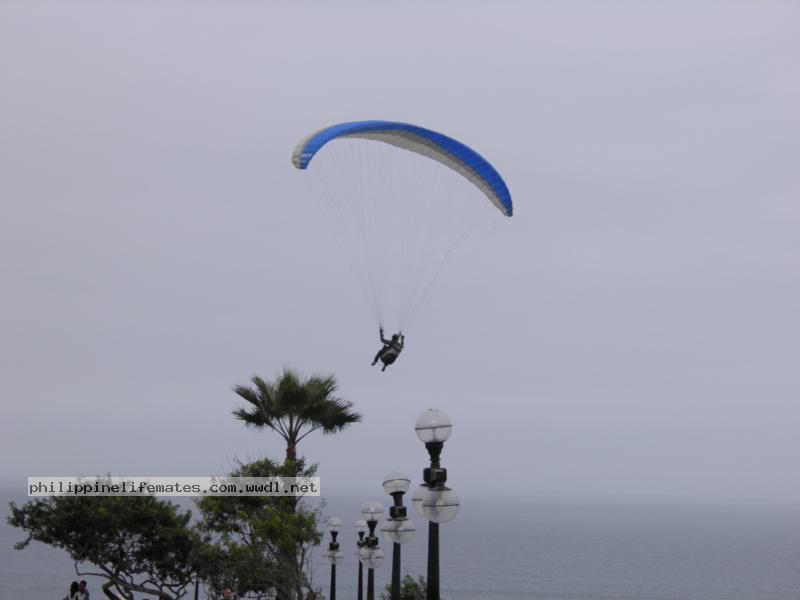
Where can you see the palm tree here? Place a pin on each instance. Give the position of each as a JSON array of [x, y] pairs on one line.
[[294, 407]]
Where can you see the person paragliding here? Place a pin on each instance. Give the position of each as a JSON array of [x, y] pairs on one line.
[[391, 349], [423, 190]]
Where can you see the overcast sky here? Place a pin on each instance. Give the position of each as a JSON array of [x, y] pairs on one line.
[[632, 329]]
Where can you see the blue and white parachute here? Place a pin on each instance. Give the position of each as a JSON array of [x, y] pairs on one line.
[[400, 210], [437, 146]]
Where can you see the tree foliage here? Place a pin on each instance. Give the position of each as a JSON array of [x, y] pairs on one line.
[[137, 543], [259, 546], [265, 541], [410, 589], [294, 407]]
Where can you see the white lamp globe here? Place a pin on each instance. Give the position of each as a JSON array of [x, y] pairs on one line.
[[433, 426], [334, 524], [371, 558], [372, 510], [396, 482], [440, 505], [361, 526], [419, 497], [398, 531]]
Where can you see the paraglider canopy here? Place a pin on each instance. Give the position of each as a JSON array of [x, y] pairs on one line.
[[402, 213], [437, 146]]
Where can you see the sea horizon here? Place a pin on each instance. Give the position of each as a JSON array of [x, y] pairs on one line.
[[546, 547]]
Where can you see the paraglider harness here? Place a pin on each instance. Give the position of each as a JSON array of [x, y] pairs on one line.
[[391, 349]]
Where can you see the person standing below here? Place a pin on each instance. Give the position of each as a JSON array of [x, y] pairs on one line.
[[82, 590], [74, 593]]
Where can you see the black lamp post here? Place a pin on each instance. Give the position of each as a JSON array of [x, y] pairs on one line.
[[334, 555], [398, 529], [433, 499], [361, 530], [371, 556]]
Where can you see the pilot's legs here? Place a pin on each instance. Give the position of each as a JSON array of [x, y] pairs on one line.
[[378, 356]]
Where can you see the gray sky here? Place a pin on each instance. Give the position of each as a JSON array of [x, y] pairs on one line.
[[632, 329]]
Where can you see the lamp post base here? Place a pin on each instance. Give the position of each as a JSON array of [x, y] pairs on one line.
[[396, 572], [370, 584], [433, 561]]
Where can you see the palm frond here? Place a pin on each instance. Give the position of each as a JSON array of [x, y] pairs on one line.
[[294, 406]]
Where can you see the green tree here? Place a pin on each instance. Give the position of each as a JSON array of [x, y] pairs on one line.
[[410, 589], [137, 543], [265, 541], [294, 407]]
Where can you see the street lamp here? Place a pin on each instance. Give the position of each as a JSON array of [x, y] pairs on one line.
[[370, 555], [334, 555], [433, 499], [398, 529], [361, 530]]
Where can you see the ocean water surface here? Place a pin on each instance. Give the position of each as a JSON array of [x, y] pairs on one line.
[[541, 548]]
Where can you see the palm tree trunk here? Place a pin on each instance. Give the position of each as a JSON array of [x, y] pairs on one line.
[[290, 589], [291, 452]]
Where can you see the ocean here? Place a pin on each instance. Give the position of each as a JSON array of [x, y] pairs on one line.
[[542, 549]]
